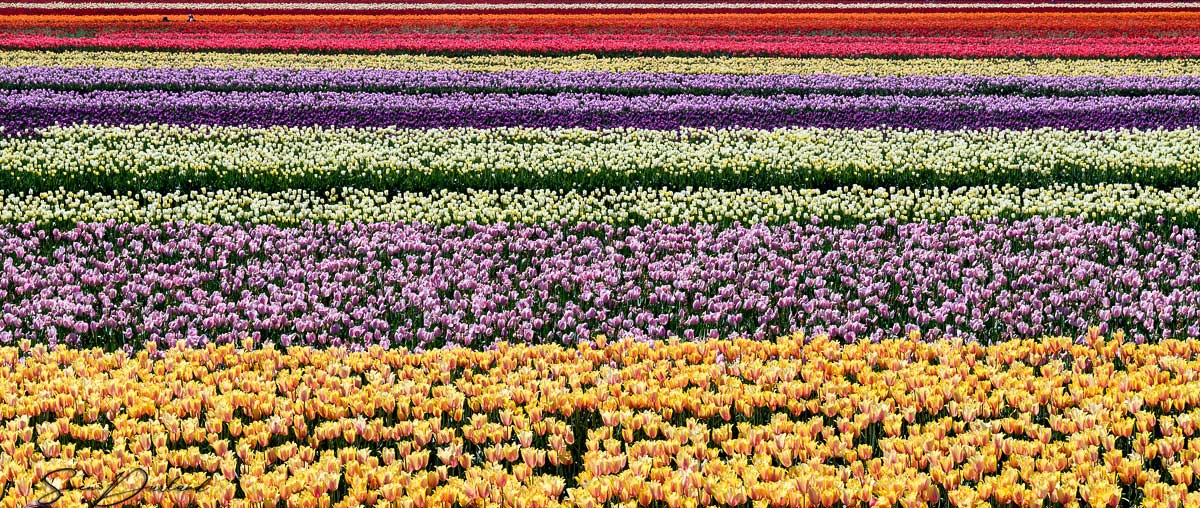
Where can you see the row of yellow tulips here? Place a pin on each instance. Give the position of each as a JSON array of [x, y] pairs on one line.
[[584, 62], [792, 422]]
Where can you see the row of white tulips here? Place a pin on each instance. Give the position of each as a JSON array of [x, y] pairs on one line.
[[163, 158], [622, 207]]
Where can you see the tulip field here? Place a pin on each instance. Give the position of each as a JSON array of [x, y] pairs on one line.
[[600, 254]]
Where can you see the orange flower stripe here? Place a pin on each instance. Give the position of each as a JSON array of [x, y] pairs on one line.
[[790, 422]]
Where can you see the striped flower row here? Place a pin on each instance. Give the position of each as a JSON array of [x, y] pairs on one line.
[[785, 423], [115, 285], [541, 81], [1025, 24], [849, 205], [936, 24], [590, 63], [167, 158]]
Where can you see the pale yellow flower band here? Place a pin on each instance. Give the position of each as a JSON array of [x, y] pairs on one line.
[[685, 65]]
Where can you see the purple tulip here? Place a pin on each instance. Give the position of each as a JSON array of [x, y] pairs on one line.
[[23, 111], [472, 285]]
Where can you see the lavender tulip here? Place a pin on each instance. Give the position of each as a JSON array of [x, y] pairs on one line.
[[421, 285]]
